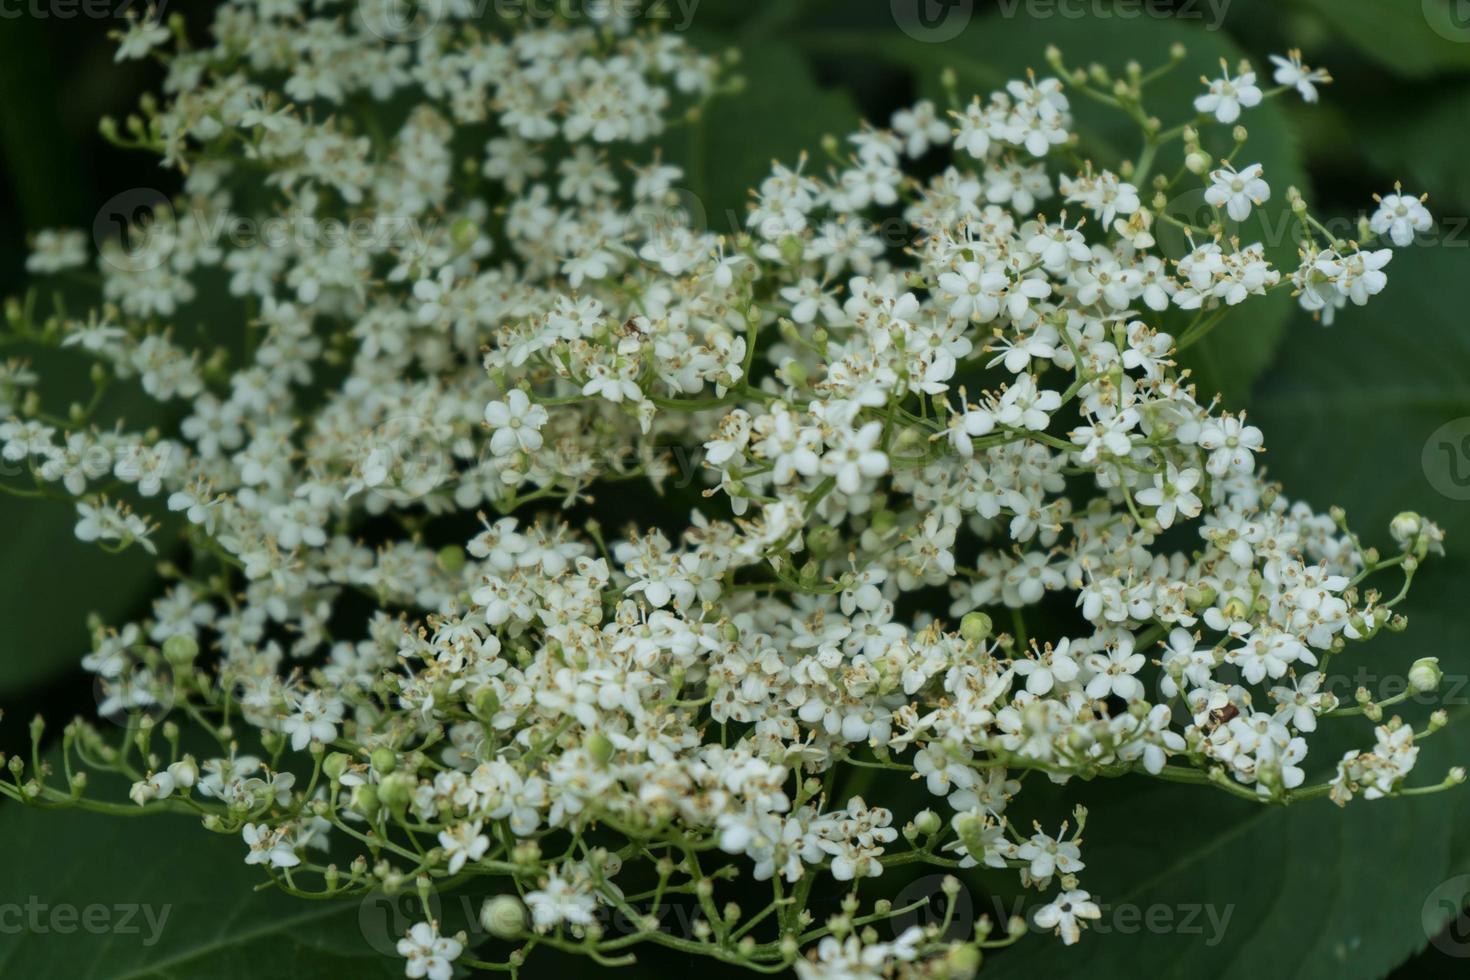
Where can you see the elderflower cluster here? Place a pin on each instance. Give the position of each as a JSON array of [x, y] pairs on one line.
[[963, 516]]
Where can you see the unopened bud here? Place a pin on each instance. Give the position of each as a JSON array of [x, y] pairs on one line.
[[1425, 675]]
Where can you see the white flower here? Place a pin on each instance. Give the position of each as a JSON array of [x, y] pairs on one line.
[[315, 718], [1227, 96], [143, 35], [1231, 444], [464, 842], [55, 250], [856, 456], [269, 845], [1049, 855], [558, 901], [1068, 914], [1172, 495], [920, 126], [515, 423], [1291, 71], [1042, 673], [1401, 216], [1236, 191], [428, 953], [1114, 670]]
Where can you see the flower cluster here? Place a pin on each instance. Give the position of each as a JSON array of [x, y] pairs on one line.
[[964, 517]]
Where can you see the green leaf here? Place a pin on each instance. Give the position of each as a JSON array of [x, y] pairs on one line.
[[1313, 891], [1409, 143], [781, 114], [1414, 38], [992, 50], [92, 897]]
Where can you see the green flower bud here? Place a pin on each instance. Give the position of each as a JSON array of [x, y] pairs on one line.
[[335, 764], [464, 232], [396, 789], [976, 627], [927, 822], [884, 521], [365, 800], [821, 539], [486, 703], [504, 917], [451, 559], [384, 759], [962, 962], [1425, 675], [599, 747], [180, 649], [795, 373]]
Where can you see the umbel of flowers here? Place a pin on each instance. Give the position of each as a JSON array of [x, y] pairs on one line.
[[905, 449]]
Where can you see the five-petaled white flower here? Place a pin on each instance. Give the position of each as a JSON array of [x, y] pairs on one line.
[[515, 423]]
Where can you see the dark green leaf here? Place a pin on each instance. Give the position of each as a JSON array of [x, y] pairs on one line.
[[1415, 38]]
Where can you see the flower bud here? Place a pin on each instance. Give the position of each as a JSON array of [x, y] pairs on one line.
[[335, 765], [1425, 675], [821, 539], [365, 800], [1405, 527], [503, 917], [451, 559], [600, 748], [976, 627], [384, 759], [185, 772], [180, 649], [962, 962], [486, 703], [395, 790]]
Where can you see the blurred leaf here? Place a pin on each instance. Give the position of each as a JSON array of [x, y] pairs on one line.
[[780, 114], [1422, 144], [1414, 38], [166, 900], [992, 50]]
